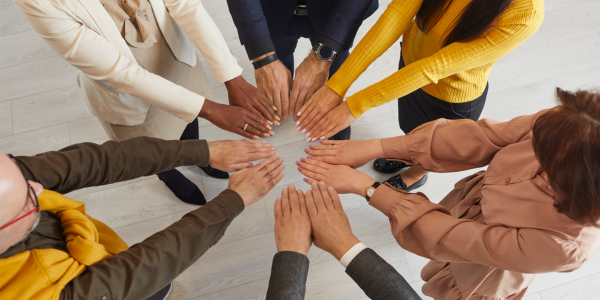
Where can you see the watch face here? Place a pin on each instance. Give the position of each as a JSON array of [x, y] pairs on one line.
[[370, 192], [325, 52]]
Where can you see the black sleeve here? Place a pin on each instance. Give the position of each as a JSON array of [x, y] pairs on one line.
[[341, 27], [147, 267], [378, 279], [252, 27], [88, 164], [288, 276]]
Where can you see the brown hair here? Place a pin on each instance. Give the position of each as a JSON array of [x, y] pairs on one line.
[[477, 19], [566, 141]]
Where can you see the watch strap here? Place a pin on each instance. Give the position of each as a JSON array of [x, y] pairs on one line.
[[265, 61]]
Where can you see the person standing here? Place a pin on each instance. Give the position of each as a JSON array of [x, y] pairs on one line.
[[448, 50], [138, 67], [269, 31]]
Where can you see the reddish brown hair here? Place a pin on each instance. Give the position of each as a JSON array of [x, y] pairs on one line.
[[566, 141], [479, 17]]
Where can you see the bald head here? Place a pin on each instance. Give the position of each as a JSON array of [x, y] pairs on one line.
[[14, 203]]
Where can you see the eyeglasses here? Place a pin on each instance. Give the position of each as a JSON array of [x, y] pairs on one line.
[[31, 196]]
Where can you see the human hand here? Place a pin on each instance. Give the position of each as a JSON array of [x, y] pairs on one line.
[[233, 155], [332, 123], [234, 119], [274, 81], [254, 183], [323, 101], [343, 178], [292, 225], [243, 94], [330, 226], [310, 76], [353, 153]]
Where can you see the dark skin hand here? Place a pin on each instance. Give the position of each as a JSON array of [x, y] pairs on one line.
[[233, 119], [243, 94]]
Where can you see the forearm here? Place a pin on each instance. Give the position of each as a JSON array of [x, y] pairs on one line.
[[342, 25], [87, 164], [164, 255], [388, 29], [252, 26], [378, 279], [288, 276]]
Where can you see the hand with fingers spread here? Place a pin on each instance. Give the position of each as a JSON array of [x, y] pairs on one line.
[[292, 225], [343, 178], [323, 101], [330, 226], [243, 94], [233, 155], [332, 123], [353, 153], [236, 119], [274, 81], [310, 76], [254, 183]]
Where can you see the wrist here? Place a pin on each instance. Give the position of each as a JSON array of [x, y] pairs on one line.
[[376, 149], [344, 246], [312, 57], [207, 109], [234, 81], [263, 56], [292, 249], [361, 186]]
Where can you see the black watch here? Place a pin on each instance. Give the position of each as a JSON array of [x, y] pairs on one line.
[[324, 52], [371, 190]]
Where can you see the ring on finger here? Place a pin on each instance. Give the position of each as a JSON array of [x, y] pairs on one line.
[[245, 126]]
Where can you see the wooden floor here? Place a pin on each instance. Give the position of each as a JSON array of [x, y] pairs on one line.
[[42, 109]]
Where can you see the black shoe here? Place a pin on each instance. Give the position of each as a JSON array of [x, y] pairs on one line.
[[383, 165], [343, 135], [397, 182], [163, 293], [212, 172], [182, 187]]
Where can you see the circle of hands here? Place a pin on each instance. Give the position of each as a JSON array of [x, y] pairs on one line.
[[301, 218]]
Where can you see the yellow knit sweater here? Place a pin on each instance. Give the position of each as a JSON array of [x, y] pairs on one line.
[[455, 73]]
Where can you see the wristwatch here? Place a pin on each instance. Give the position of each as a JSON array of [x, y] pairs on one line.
[[371, 190], [324, 52]]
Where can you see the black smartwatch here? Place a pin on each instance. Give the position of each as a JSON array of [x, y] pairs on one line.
[[324, 52], [371, 190]]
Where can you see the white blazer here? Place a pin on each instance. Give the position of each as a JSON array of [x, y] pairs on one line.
[[117, 89]]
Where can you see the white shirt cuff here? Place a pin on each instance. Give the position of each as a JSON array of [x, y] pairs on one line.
[[351, 254]]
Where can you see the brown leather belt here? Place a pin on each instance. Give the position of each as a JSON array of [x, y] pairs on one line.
[[301, 10]]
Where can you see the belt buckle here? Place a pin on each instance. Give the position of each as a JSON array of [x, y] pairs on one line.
[[300, 7]]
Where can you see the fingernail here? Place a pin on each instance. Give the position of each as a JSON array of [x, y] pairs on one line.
[[255, 137], [314, 139], [322, 138], [311, 146], [277, 123], [269, 126], [308, 140], [298, 128], [299, 113], [272, 132], [270, 123], [303, 159], [275, 108], [298, 123], [309, 157], [308, 134], [322, 183], [306, 151], [277, 118], [266, 135], [299, 169]]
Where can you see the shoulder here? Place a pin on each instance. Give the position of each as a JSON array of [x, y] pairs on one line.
[[524, 12]]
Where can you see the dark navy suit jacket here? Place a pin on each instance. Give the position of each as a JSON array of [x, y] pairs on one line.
[[336, 21]]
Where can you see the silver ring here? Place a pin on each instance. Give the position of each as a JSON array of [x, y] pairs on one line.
[[245, 126]]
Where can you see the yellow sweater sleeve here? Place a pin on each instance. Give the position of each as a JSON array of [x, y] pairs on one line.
[[386, 31], [514, 28]]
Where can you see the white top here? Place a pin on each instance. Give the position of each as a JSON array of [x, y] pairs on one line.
[[351, 254]]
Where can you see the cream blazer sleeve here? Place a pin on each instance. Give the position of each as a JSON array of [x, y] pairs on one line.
[[193, 18]]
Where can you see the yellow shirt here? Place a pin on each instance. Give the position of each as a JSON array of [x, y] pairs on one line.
[[456, 73]]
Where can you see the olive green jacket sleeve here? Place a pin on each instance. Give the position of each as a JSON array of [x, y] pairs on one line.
[[150, 265], [88, 164]]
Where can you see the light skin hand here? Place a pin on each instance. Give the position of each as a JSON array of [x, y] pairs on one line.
[[310, 76], [335, 121], [323, 101], [353, 153], [252, 184], [292, 225], [330, 225], [243, 94], [274, 81], [233, 155], [234, 119], [343, 178]]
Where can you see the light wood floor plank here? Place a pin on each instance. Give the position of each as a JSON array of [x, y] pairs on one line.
[[87, 130], [36, 141], [11, 19], [573, 20], [582, 289], [6, 127], [24, 47]]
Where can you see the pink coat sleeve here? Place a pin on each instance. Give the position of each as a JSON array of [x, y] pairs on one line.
[[428, 230], [457, 145]]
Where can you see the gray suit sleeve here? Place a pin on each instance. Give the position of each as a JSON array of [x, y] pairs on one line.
[[288, 276], [378, 279]]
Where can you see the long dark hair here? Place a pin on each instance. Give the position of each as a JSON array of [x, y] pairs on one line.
[[566, 142], [477, 19]]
